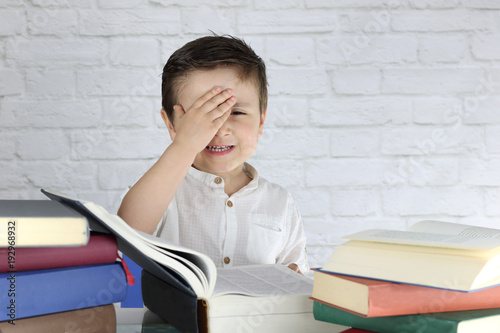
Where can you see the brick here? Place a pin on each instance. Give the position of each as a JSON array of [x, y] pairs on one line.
[[286, 112], [479, 172], [492, 139], [357, 81], [430, 171], [364, 23], [11, 22], [366, 49], [8, 146], [53, 113], [443, 49], [482, 110], [292, 81], [129, 111], [117, 144], [196, 3], [430, 80], [50, 83], [52, 21], [41, 51], [130, 22], [312, 202], [486, 47], [107, 4], [291, 51], [287, 21], [431, 141], [277, 4], [62, 175], [285, 172], [7, 116], [351, 4], [492, 202], [432, 201], [430, 4], [134, 52], [104, 82], [354, 202], [12, 178], [279, 143], [442, 21], [64, 3], [201, 19], [347, 172], [481, 4], [354, 142], [10, 82], [360, 111], [117, 175], [322, 231], [42, 145], [437, 110]]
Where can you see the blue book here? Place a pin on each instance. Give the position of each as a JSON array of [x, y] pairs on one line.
[[34, 293]]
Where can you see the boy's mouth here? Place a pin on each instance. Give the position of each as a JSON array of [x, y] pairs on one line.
[[218, 149]]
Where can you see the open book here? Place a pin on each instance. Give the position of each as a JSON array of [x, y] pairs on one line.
[[185, 288], [431, 253]]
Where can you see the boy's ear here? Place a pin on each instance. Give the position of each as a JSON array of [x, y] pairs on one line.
[[168, 123], [261, 123]]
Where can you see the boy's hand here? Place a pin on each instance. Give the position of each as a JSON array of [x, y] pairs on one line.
[[196, 127], [294, 268]]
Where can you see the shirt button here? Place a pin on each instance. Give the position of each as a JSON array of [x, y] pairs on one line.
[[230, 203], [218, 180], [227, 260]]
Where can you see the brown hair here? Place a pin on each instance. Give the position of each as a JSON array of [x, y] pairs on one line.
[[208, 53]]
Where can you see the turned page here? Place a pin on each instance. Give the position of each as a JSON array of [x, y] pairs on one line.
[[437, 234]]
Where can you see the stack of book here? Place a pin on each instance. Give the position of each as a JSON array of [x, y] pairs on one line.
[[55, 274], [435, 277]]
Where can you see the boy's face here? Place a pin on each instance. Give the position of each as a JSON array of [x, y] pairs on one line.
[[236, 141]]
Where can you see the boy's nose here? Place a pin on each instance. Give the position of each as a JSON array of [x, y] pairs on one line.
[[224, 130]]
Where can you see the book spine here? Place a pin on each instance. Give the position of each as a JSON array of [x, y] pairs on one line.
[[34, 293], [100, 319], [101, 249], [393, 324]]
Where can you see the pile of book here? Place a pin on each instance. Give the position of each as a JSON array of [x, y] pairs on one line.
[[435, 277], [55, 274]]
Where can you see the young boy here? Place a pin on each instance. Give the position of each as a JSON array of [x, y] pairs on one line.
[[201, 193]]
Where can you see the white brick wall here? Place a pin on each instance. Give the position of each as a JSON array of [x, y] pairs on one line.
[[381, 113]]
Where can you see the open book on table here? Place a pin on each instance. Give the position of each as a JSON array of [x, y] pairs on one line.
[[430, 253], [185, 288]]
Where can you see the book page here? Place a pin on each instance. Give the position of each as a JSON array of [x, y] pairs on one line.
[[456, 229], [427, 239], [262, 280]]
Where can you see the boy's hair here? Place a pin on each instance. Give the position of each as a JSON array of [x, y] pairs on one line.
[[207, 53]]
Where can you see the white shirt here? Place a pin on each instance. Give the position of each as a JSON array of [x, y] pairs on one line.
[[260, 224]]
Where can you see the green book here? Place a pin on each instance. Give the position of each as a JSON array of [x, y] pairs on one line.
[[472, 321]]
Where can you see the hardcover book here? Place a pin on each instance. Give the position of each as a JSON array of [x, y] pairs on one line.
[[377, 298], [40, 223], [473, 321], [431, 253], [34, 293]]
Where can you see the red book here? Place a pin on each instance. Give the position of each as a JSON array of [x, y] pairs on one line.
[[376, 298], [100, 249]]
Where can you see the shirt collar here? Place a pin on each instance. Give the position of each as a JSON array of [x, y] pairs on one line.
[[215, 182]]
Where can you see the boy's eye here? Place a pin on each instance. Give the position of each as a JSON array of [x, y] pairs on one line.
[[236, 112]]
